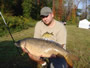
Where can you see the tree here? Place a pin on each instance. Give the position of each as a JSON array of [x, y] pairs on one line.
[[88, 13], [53, 7], [60, 9], [2, 6], [26, 4], [72, 11]]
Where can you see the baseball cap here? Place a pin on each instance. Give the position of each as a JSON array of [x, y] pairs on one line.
[[45, 11]]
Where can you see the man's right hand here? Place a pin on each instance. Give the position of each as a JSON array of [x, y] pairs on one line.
[[37, 59]]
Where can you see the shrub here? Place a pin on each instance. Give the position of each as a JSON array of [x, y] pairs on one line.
[[15, 24], [73, 21]]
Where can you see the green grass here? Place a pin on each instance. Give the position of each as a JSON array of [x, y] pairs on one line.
[[78, 42]]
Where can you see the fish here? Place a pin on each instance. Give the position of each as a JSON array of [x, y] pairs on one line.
[[45, 48]]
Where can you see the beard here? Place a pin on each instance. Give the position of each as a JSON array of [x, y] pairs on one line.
[[47, 23]]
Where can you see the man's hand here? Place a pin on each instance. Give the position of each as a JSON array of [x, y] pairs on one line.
[[53, 56], [37, 59]]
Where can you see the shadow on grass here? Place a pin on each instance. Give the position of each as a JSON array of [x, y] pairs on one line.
[[10, 57]]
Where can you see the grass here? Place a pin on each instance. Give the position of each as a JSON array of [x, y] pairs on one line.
[[78, 42]]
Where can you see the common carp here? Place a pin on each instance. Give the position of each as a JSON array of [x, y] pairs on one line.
[[45, 48]]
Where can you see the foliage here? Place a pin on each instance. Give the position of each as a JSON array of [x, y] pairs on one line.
[[35, 9], [27, 4], [72, 21], [88, 19], [73, 18], [11, 7], [31, 9], [15, 24]]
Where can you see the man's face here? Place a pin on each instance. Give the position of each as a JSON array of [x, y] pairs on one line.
[[47, 19]]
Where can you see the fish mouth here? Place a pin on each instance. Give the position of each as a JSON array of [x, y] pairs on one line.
[[17, 44]]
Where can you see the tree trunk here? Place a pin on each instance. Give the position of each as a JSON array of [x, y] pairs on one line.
[[60, 10], [53, 7]]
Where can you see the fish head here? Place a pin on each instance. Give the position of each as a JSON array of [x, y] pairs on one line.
[[17, 43], [20, 43]]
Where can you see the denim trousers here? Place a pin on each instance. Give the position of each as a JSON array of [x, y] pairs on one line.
[[57, 62]]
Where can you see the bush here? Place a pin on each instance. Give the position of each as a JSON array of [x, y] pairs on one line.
[[15, 24], [73, 21]]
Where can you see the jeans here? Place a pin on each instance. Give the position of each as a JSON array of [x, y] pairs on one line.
[[58, 62]]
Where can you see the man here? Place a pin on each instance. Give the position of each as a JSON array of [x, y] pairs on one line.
[[50, 29]]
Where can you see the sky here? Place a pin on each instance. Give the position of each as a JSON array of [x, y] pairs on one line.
[[80, 6]]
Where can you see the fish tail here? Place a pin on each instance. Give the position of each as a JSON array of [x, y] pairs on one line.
[[69, 59]]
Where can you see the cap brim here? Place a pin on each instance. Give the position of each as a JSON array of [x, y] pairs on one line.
[[43, 15]]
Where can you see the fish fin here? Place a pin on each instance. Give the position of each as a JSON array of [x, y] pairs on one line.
[[62, 45], [69, 58], [69, 61], [36, 58]]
